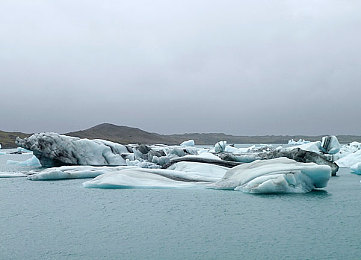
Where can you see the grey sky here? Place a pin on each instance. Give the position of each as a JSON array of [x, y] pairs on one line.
[[239, 67]]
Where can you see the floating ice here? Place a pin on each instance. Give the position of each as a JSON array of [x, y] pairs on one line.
[[350, 159], [310, 146], [220, 146], [300, 141], [55, 150], [72, 172], [22, 150], [281, 175], [206, 172], [356, 168], [347, 149], [141, 178], [330, 145], [58, 150], [32, 162], [11, 174], [187, 143]]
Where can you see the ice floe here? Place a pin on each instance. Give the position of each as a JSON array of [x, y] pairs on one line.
[[72, 172], [281, 175], [187, 143], [300, 141], [11, 174], [31, 162], [356, 168]]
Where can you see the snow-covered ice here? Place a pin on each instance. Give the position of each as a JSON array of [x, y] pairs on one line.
[[187, 143], [330, 144], [300, 141], [11, 174], [281, 175], [140, 178], [31, 162], [356, 168], [72, 172], [220, 146]]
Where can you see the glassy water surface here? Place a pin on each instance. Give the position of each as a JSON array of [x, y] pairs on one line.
[[61, 219]]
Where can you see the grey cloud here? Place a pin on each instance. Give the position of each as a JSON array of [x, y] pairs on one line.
[[240, 67]]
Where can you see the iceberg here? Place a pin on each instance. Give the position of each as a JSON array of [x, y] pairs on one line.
[[32, 162], [300, 141], [350, 159], [330, 145], [55, 150], [280, 175], [296, 154], [187, 143], [11, 174], [144, 179], [356, 168], [220, 146], [72, 172], [347, 149], [205, 172]]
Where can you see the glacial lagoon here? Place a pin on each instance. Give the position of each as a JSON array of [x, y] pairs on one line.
[[62, 219]]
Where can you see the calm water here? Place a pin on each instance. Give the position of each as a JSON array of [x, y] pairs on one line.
[[61, 219]]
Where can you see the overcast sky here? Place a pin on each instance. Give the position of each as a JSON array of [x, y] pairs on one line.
[[238, 67]]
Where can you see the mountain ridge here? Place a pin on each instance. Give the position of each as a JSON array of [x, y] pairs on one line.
[[126, 135]]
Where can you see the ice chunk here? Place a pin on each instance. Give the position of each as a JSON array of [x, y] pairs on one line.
[[209, 172], [356, 168], [281, 175], [187, 143], [22, 150], [140, 178], [300, 141], [55, 150], [220, 146], [347, 149], [11, 174], [350, 159], [310, 146], [72, 172], [330, 145], [32, 162]]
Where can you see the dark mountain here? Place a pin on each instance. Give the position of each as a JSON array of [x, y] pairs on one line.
[[121, 134], [7, 139], [126, 135]]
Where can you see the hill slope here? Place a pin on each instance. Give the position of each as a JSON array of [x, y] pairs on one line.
[[7, 139], [126, 135], [121, 134]]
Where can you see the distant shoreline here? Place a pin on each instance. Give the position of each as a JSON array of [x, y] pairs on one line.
[[126, 135]]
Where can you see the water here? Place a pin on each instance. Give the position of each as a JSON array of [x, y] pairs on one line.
[[61, 219]]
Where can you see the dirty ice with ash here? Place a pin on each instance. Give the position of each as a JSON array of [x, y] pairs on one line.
[[298, 167]]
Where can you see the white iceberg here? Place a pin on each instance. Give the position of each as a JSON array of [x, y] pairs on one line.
[[356, 168], [53, 149], [330, 144], [11, 174], [220, 146], [347, 149], [32, 162], [187, 143], [300, 141], [310, 146], [203, 171], [141, 178], [349, 159], [22, 150], [72, 172], [281, 175]]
